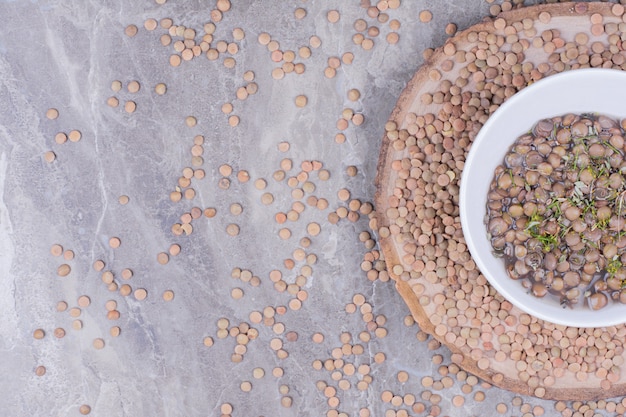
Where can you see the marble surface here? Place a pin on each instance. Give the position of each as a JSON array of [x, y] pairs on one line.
[[65, 54]]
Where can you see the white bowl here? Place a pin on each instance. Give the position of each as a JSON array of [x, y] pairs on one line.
[[600, 91]]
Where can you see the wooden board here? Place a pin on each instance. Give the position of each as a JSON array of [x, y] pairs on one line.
[[546, 374]]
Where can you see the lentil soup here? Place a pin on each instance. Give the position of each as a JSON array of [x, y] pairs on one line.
[[556, 210]]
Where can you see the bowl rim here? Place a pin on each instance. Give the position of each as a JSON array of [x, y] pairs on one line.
[[473, 158]]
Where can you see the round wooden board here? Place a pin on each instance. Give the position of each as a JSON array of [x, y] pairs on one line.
[[547, 374]]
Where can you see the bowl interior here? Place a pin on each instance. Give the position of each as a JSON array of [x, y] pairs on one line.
[[578, 91]]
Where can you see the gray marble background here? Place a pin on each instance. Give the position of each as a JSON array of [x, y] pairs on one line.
[[65, 54]]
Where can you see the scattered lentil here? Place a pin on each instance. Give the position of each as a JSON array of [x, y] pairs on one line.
[[333, 16], [130, 106], [74, 136], [52, 113], [425, 16], [301, 101], [131, 30], [140, 294], [232, 229], [163, 258], [49, 156]]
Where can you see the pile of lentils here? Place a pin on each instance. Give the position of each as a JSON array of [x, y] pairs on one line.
[[556, 210], [418, 218]]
